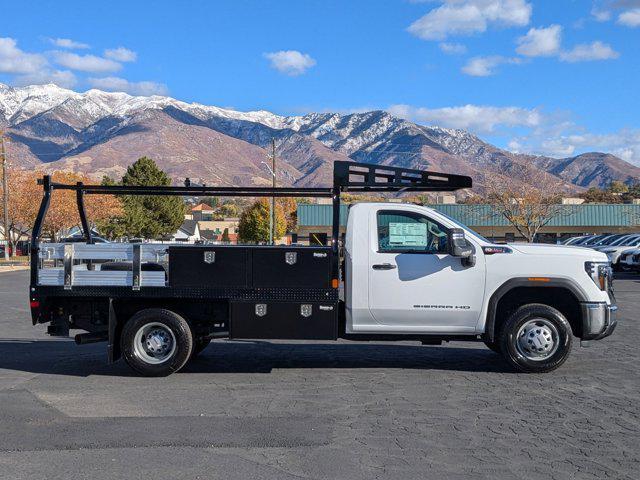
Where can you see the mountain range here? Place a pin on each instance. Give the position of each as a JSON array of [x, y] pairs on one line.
[[101, 133]]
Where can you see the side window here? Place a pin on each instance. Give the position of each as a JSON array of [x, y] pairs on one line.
[[402, 232]]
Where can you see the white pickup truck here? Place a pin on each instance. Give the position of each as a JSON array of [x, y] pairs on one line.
[[408, 272], [412, 270]]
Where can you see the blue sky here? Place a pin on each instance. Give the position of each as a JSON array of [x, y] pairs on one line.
[[557, 77]]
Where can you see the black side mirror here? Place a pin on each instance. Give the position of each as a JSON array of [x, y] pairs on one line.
[[457, 244]]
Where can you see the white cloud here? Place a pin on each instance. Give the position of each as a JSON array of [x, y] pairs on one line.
[[528, 130], [540, 42], [86, 63], [630, 18], [62, 78], [624, 143], [589, 52], [453, 48], [290, 62], [68, 43], [485, 66], [600, 15], [121, 54], [466, 17], [117, 84], [15, 61], [476, 118]]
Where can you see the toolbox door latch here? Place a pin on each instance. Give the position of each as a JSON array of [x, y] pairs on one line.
[[291, 257], [209, 257]]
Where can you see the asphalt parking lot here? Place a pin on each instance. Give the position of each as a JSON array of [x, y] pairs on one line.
[[287, 410]]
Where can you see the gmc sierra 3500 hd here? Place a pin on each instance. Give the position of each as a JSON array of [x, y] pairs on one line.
[[409, 273]]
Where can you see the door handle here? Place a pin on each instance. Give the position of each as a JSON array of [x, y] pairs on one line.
[[383, 266]]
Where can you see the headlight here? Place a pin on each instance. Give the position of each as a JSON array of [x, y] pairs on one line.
[[600, 273]]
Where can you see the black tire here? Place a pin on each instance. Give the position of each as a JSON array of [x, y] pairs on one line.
[[167, 321], [199, 344], [532, 316], [494, 346]]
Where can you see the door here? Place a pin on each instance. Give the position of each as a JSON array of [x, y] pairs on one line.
[[414, 284]]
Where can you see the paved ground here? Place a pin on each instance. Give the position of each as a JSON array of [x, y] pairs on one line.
[[312, 410]]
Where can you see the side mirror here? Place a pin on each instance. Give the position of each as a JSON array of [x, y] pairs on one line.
[[457, 244]]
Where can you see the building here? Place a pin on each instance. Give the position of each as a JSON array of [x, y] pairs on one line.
[[202, 212], [189, 232], [214, 229], [314, 221]]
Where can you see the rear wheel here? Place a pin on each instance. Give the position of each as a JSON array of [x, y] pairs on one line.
[[156, 342], [536, 338]]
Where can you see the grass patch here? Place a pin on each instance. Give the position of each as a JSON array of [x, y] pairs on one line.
[[14, 259]]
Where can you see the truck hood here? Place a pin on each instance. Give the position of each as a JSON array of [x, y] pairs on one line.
[[563, 250]]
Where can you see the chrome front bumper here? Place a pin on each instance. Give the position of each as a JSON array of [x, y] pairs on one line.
[[598, 320]]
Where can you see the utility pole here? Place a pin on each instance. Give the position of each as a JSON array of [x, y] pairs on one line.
[[273, 198], [5, 196]]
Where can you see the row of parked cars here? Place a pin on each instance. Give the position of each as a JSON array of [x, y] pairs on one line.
[[623, 249]]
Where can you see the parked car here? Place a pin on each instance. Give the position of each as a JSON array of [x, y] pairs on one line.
[[630, 259], [615, 250]]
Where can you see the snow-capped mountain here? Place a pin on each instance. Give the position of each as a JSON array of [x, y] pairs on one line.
[[100, 133]]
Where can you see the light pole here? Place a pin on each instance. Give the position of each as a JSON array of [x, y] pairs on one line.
[[5, 196], [272, 208]]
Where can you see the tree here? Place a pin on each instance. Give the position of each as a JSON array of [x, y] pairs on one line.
[[254, 222], [290, 208], [23, 206], [525, 206], [225, 236], [24, 195], [148, 216]]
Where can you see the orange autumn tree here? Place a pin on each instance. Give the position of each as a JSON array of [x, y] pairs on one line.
[[24, 201]]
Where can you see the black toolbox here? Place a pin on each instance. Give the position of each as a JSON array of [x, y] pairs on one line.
[[284, 320], [251, 267]]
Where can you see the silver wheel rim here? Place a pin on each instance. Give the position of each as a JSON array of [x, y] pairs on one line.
[[154, 343], [537, 339]]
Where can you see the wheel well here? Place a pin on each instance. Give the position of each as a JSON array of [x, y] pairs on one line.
[[203, 317], [562, 299]]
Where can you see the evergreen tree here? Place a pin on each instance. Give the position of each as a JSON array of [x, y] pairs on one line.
[[254, 222], [225, 236], [149, 216]]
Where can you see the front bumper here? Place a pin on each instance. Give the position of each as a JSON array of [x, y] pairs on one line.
[[598, 320]]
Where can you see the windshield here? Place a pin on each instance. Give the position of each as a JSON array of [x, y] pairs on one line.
[[609, 240], [621, 241], [593, 240], [576, 240], [465, 228], [627, 240], [581, 240]]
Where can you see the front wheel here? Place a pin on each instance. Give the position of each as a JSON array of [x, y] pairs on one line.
[[156, 342], [536, 338]]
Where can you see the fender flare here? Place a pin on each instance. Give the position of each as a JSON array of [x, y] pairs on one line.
[[566, 283]]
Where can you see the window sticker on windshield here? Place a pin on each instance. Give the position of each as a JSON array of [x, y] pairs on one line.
[[408, 234]]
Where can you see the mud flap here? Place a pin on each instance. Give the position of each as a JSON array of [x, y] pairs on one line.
[[113, 347]]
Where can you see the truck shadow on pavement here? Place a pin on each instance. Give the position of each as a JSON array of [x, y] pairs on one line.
[[59, 357]]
